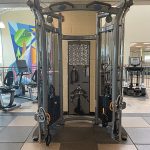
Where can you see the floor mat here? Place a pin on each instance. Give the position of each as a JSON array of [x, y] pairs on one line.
[[95, 135]]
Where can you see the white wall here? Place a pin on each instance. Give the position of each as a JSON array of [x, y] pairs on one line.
[[22, 16], [137, 27]]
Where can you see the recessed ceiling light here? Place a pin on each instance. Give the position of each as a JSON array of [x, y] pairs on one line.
[[138, 46], [146, 43], [133, 43]]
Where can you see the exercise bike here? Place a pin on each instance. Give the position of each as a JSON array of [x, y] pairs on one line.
[[20, 90], [8, 88]]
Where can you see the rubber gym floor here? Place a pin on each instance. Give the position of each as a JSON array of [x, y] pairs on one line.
[[17, 126]]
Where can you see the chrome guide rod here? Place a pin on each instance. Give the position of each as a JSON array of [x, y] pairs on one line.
[[38, 62], [115, 73], [39, 22], [97, 73], [121, 29], [60, 68], [44, 67]]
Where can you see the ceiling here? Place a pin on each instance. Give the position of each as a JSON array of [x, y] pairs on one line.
[[140, 45], [22, 3], [13, 5]]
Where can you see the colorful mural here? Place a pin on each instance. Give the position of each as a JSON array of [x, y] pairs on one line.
[[24, 43]]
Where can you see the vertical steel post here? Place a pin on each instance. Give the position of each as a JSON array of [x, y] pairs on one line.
[[98, 68], [42, 61], [115, 71], [60, 68], [38, 62], [38, 22], [121, 22], [44, 67], [121, 29]]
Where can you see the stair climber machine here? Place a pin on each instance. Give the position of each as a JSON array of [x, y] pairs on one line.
[[109, 66], [134, 82]]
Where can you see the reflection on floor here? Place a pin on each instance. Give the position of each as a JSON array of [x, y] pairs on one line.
[[17, 126]]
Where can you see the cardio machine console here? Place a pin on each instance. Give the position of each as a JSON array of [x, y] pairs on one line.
[[135, 61]]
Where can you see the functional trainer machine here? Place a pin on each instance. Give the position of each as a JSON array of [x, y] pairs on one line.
[[109, 64], [134, 83]]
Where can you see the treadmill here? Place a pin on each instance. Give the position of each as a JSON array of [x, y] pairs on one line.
[[134, 78]]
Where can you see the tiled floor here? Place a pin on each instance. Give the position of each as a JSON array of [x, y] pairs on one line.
[[17, 126], [138, 104], [116, 147], [37, 146]]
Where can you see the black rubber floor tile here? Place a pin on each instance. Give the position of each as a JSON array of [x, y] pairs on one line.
[[5, 120], [15, 134], [103, 136], [11, 146], [35, 131], [143, 147], [140, 136], [74, 135], [95, 135], [78, 146]]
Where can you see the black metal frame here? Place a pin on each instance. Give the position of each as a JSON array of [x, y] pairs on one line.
[[104, 10]]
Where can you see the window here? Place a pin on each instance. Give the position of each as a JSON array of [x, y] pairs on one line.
[[146, 56], [1, 48]]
